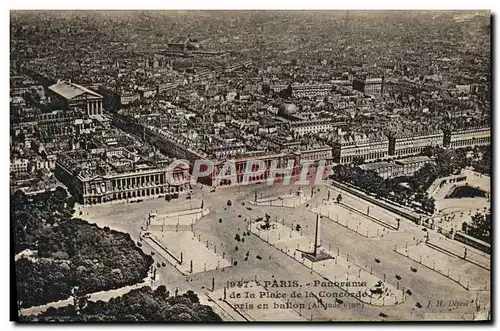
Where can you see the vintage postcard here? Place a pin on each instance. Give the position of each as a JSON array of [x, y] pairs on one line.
[[250, 166]]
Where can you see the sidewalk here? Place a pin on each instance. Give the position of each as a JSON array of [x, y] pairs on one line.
[[458, 249]]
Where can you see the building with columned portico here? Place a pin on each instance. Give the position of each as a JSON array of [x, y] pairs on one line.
[[68, 95], [118, 174]]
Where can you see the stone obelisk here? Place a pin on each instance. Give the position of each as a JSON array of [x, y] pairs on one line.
[[316, 255], [317, 235]]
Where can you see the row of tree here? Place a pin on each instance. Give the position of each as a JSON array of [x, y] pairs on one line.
[[446, 162], [69, 252], [392, 189], [480, 227], [482, 162], [73, 258]]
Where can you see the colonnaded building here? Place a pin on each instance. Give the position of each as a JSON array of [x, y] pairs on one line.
[[118, 174], [68, 95], [407, 143], [390, 146]]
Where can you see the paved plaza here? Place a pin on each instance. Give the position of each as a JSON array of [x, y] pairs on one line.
[[336, 269], [351, 218], [175, 221], [255, 303], [471, 276], [188, 253], [273, 253], [288, 200]]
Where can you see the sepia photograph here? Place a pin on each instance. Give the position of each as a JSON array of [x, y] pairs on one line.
[[215, 166]]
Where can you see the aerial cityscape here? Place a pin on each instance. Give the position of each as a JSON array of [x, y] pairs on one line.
[[250, 166]]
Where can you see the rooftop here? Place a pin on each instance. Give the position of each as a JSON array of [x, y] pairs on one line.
[[70, 90], [377, 165], [413, 159]]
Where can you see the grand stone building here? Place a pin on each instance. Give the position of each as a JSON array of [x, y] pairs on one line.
[[412, 142], [300, 128], [68, 95], [370, 86], [366, 147], [467, 137], [279, 161], [406, 143], [311, 90], [118, 175]]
